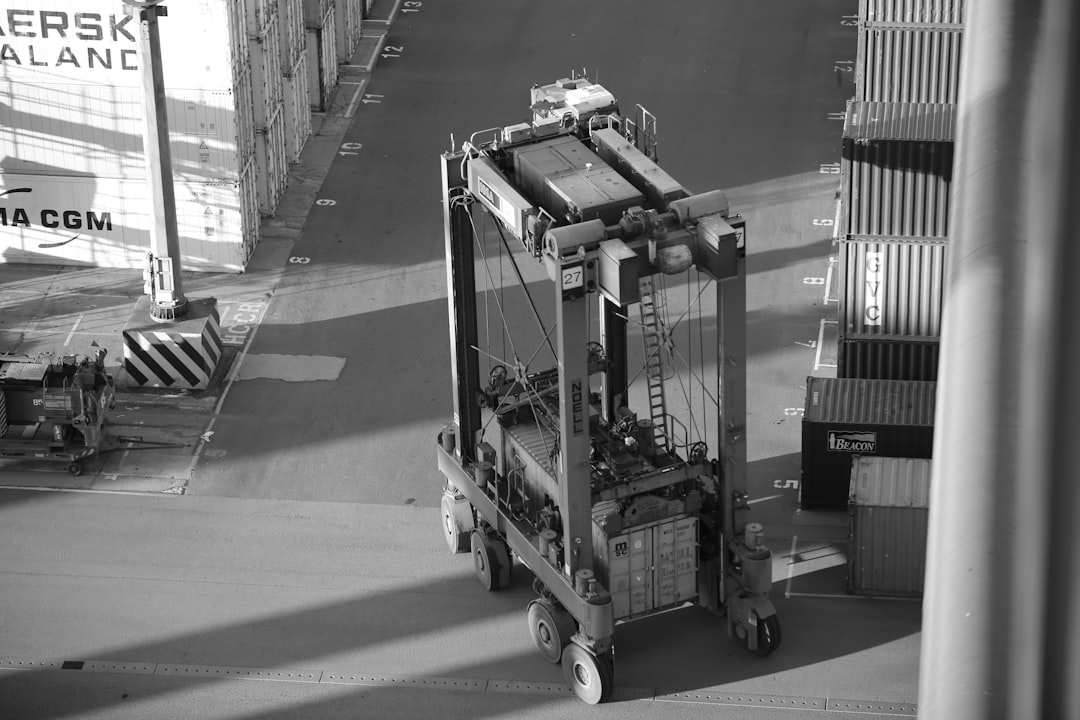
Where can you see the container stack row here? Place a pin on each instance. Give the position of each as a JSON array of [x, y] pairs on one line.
[[241, 79], [896, 178]]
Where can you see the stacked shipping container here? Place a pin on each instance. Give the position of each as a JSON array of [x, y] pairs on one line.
[[72, 177], [896, 180], [320, 24]]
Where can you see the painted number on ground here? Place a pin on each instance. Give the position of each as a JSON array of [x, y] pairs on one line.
[[786, 484], [823, 222], [829, 168], [837, 115], [371, 98], [393, 51], [349, 148], [813, 281], [299, 260], [849, 20], [411, 6], [325, 201], [843, 66], [794, 412]]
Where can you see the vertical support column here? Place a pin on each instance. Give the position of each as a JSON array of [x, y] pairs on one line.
[[971, 619], [166, 287], [575, 495], [731, 367], [613, 337], [461, 299]]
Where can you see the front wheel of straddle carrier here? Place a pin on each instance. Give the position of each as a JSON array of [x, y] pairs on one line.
[[590, 676], [491, 560]]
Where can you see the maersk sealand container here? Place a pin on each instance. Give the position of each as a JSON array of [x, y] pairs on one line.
[[71, 133], [844, 417]]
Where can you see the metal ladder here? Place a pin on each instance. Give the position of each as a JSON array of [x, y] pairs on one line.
[[654, 366]]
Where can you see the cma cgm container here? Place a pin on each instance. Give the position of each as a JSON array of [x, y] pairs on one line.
[[846, 417], [104, 222], [891, 285], [879, 357], [895, 188], [889, 517]]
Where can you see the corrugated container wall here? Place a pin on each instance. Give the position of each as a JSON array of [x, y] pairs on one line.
[[866, 120], [349, 16], [322, 61], [870, 357], [896, 188], [888, 511], [909, 65], [266, 71], [297, 110], [271, 163], [71, 133], [891, 285], [291, 25], [846, 417], [912, 11]]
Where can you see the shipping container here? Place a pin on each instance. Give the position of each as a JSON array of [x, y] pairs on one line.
[[266, 73], [348, 15], [98, 130], [315, 11], [260, 15], [908, 64], [866, 120], [845, 417], [877, 357], [104, 222], [291, 26], [895, 188], [888, 520], [891, 285], [936, 12], [297, 110], [94, 42], [271, 163], [322, 62], [649, 567]]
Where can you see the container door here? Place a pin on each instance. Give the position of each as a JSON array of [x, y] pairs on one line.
[[641, 585]]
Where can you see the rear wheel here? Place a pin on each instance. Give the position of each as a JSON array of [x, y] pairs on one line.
[[768, 635]]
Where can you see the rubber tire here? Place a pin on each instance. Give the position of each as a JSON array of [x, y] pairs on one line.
[[549, 629], [75, 469], [491, 561], [455, 532], [590, 678], [768, 635]]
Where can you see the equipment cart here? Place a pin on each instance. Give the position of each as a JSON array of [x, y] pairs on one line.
[[53, 409], [581, 454]]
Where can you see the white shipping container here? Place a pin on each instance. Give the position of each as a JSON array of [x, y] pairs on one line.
[[94, 42], [104, 222], [259, 14], [297, 110], [271, 166], [349, 15], [291, 24], [322, 62], [98, 130], [266, 71]]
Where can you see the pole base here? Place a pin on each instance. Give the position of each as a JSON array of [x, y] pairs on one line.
[[168, 313]]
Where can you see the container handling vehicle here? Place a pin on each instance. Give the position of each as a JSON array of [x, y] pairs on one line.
[[565, 239], [53, 408]]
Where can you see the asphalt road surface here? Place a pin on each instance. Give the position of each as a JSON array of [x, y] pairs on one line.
[[302, 572]]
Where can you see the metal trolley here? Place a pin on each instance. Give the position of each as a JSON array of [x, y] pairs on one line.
[[597, 480]]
